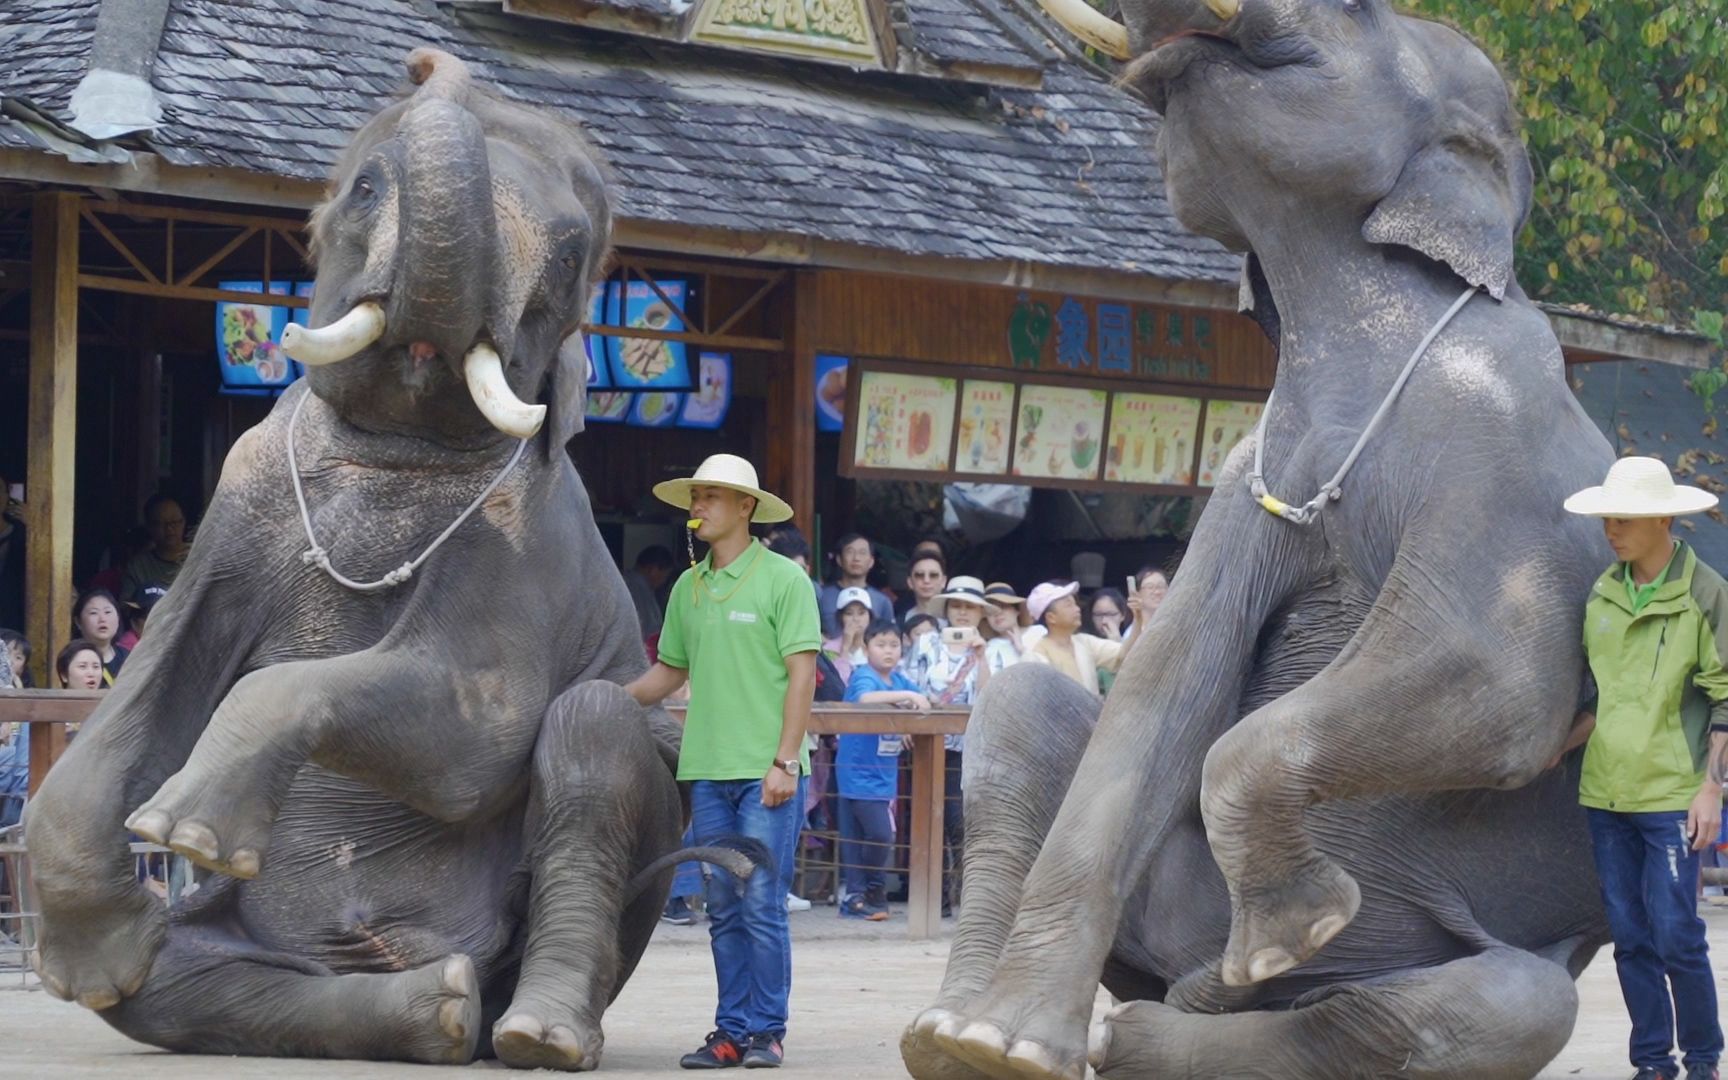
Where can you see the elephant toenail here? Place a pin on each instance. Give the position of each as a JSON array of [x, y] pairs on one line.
[[97, 1000], [458, 975], [1325, 930], [984, 1037], [195, 841], [1098, 1044], [1269, 962], [152, 825], [450, 1019], [519, 1024], [243, 864]]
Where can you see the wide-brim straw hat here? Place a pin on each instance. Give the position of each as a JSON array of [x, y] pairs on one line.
[[967, 590], [1640, 487], [1000, 592], [726, 471]]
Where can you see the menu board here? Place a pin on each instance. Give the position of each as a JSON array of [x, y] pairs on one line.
[[1059, 432], [986, 418], [904, 422], [1151, 439], [1227, 423]]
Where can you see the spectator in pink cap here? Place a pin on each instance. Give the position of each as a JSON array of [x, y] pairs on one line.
[[1077, 655]]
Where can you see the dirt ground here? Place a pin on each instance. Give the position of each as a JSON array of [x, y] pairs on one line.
[[855, 986]]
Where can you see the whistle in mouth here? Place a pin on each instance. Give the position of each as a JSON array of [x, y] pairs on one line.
[[693, 523]]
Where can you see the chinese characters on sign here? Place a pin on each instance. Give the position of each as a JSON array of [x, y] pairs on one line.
[[1151, 439], [1114, 339], [905, 422], [986, 418], [1059, 432]]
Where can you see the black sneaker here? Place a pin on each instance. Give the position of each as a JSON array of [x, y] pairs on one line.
[[764, 1052], [1703, 1072], [718, 1052], [678, 912], [1649, 1072]]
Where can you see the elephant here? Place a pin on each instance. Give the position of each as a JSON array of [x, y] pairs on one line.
[[435, 824], [1315, 831]]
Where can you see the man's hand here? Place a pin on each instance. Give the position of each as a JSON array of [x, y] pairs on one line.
[[1704, 816], [778, 786]]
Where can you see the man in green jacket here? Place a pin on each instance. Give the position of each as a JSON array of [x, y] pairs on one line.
[[1656, 639]]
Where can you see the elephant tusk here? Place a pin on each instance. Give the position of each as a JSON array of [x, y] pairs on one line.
[[338, 341], [1093, 27], [493, 396], [1224, 9]]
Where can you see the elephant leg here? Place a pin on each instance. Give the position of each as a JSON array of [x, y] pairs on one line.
[[602, 803], [206, 997], [1450, 701], [1499, 1015], [428, 735], [1138, 778], [1031, 728]]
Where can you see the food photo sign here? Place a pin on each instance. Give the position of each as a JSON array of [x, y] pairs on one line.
[[248, 341], [905, 423], [1059, 433], [1151, 439], [1227, 423]]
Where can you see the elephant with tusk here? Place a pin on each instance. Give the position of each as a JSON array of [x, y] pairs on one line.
[[382, 703], [1313, 832]]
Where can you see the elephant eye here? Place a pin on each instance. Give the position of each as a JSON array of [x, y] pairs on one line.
[[1352, 5], [571, 262]]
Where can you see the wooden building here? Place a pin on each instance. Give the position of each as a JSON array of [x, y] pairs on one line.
[[945, 201]]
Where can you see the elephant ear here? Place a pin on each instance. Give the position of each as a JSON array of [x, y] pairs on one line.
[[1460, 200], [567, 394]]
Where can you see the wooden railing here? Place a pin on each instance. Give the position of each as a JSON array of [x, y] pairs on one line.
[[49, 712]]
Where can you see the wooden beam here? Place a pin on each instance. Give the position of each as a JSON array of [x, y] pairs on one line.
[[195, 215], [192, 276], [191, 292], [791, 454], [1585, 338], [713, 341], [52, 426], [756, 297], [117, 245]]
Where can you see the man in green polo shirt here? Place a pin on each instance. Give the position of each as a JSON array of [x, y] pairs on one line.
[[742, 626], [1656, 639]]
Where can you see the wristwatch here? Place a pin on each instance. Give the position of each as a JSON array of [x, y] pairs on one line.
[[789, 766]]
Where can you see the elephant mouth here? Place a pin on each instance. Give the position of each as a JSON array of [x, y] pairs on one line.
[[1157, 72], [481, 368]]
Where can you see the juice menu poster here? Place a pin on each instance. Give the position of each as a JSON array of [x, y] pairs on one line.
[[986, 418], [904, 422], [1059, 433], [1227, 423], [1151, 439]]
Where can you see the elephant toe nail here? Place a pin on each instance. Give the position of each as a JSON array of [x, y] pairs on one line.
[[195, 840], [985, 1037], [451, 1020], [1269, 962], [1325, 930], [1098, 1044], [457, 975], [152, 825], [97, 1000], [520, 1025], [244, 863]]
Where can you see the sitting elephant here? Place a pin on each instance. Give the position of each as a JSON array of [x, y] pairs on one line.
[[382, 699], [1312, 834]]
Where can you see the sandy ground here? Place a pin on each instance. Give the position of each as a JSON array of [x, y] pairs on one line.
[[855, 987]]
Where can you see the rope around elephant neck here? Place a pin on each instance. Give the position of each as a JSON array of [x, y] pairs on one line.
[[1332, 489], [317, 556]]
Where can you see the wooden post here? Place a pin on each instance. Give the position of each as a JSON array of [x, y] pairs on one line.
[[924, 870], [791, 464], [52, 430]]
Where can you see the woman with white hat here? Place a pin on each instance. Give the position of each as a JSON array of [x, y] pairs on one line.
[[1078, 655], [741, 625], [1656, 640]]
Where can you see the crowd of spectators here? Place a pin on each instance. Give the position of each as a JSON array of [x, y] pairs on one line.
[[934, 643]]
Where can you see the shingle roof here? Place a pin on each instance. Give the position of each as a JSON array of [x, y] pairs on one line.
[[699, 136]]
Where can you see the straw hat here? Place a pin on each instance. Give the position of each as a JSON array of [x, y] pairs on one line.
[[1046, 594], [1640, 487], [727, 471], [1000, 592], [967, 590]]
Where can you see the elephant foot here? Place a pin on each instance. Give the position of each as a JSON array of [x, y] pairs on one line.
[[1131, 1039], [1275, 928], [944, 1042], [203, 822], [440, 1007], [97, 955], [530, 1037]]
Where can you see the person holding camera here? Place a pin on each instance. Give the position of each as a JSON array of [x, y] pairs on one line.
[[950, 668], [1076, 654]]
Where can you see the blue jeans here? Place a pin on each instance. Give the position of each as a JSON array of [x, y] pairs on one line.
[[866, 842], [749, 934], [1649, 876]]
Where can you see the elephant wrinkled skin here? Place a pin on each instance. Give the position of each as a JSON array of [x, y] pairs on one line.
[[1310, 834], [430, 810]]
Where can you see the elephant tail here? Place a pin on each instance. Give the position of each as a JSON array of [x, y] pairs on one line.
[[739, 856]]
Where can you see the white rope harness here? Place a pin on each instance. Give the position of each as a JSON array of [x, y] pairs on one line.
[[317, 556], [1332, 489]]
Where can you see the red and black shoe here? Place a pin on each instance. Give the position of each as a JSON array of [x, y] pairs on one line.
[[719, 1051], [764, 1053]]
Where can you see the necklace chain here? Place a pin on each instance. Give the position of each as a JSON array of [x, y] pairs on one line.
[[316, 555]]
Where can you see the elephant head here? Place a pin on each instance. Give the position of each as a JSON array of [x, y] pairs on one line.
[[454, 249], [1278, 111]]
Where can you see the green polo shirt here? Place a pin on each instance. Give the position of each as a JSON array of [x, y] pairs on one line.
[[732, 630]]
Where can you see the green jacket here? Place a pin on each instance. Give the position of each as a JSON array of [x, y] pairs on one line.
[[1660, 687]]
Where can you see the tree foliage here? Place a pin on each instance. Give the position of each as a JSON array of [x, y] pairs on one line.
[[1625, 106]]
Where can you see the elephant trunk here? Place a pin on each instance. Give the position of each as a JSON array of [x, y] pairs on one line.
[[446, 238]]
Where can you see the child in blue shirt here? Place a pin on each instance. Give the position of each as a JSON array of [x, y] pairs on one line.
[[867, 771]]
